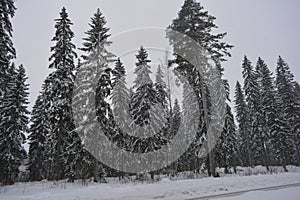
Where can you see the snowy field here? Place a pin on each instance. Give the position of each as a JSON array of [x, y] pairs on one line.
[[164, 189]]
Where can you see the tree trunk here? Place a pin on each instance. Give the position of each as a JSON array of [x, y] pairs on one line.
[[95, 171]]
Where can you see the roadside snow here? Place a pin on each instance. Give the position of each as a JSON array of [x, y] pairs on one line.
[[288, 193], [164, 189]]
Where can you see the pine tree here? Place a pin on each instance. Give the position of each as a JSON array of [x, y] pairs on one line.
[[13, 124], [243, 125], [288, 105], [196, 23]]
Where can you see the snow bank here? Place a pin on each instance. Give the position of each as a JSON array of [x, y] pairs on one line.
[[164, 189]]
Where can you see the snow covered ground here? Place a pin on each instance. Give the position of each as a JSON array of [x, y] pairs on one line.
[[164, 189], [287, 194]]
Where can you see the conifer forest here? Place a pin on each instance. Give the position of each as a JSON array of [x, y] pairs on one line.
[[143, 107]]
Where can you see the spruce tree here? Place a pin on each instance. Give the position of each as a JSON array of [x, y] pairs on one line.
[[13, 100], [266, 109], [59, 93], [13, 124], [146, 109], [120, 96], [161, 87], [243, 125], [226, 148], [39, 159], [95, 73], [7, 50], [288, 104], [297, 121], [145, 94], [251, 89]]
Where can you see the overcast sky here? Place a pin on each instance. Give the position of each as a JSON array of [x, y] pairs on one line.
[[265, 28]]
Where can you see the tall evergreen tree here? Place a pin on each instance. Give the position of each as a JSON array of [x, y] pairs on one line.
[[243, 125], [60, 95], [13, 124], [226, 149], [120, 97], [96, 73], [145, 94], [196, 23], [146, 109], [13, 100], [288, 105], [267, 109], [7, 50], [97, 34], [39, 159], [251, 89], [297, 121]]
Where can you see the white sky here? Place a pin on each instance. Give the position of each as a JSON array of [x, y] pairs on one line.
[[265, 28]]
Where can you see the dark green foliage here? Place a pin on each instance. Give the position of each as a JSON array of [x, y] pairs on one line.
[[287, 103], [13, 124], [226, 150], [243, 124], [97, 34]]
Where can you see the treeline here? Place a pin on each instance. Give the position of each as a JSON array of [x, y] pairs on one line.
[[266, 109]]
